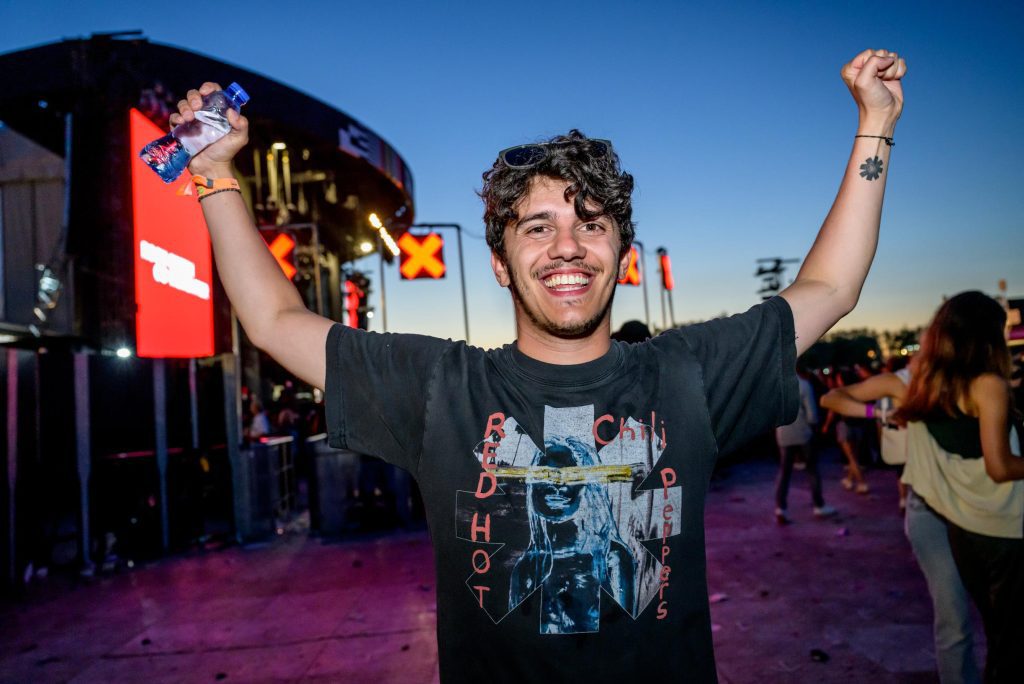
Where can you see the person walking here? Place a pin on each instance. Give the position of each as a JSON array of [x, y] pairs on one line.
[[795, 441]]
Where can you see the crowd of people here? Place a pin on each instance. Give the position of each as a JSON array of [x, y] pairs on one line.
[[949, 423], [287, 416], [861, 443]]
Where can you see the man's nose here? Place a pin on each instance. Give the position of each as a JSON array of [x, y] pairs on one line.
[[566, 244]]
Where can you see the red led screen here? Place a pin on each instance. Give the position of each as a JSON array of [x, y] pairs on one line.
[[173, 265]]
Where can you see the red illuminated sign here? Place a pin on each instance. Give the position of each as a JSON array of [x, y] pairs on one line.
[[353, 300], [632, 276], [281, 247], [666, 273], [173, 265], [422, 256]]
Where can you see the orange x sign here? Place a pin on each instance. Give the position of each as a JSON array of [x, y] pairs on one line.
[[281, 246], [421, 256], [632, 276]]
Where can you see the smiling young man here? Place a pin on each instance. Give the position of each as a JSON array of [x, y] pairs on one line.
[[564, 475], [561, 268]]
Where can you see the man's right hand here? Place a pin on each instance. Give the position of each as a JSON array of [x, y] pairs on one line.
[[215, 160], [268, 306]]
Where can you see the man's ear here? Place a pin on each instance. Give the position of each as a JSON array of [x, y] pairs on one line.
[[500, 269], [624, 262]]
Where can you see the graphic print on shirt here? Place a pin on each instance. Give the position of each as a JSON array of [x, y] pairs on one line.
[[568, 520]]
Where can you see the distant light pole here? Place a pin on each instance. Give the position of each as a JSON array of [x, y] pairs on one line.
[[383, 239], [462, 270], [643, 281]]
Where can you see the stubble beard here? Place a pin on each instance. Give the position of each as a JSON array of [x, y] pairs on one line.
[[578, 330]]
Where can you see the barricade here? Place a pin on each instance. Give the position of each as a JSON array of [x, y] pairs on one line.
[[332, 487], [351, 492], [265, 488]]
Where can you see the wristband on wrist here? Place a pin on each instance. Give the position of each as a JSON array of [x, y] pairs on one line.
[[217, 192], [869, 410], [208, 186], [888, 140]]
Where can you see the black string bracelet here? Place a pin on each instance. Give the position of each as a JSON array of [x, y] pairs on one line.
[[888, 140], [222, 189]]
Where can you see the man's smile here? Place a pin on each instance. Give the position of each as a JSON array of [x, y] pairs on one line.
[[567, 282]]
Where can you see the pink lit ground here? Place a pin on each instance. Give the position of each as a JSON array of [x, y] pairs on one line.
[[363, 610]]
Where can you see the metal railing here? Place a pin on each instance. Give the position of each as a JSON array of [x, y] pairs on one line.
[[282, 465]]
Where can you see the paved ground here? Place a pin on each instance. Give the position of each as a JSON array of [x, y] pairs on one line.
[[363, 610]]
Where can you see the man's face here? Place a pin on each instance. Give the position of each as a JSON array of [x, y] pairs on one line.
[[561, 269]]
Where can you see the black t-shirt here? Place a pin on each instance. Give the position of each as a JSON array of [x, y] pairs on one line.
[[565, 503]]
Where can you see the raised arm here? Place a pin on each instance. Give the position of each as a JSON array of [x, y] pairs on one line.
[[832, 275], [268, 305]]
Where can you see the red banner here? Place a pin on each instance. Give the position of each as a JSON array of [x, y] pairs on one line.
[[666, 273], [173, 264]]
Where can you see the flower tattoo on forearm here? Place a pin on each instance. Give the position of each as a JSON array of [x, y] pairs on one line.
[[871, 169]]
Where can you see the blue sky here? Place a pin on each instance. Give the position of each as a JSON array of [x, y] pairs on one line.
[[731, 116]]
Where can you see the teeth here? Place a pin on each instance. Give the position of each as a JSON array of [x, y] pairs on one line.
[[566, 280]]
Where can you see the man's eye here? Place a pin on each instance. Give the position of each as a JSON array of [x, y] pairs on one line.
[[593, 227], [535, 230]]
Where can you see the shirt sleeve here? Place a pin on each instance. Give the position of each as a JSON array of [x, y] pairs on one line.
[[748, 365], [376, 392]]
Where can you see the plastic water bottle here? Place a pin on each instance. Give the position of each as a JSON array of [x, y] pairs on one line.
[[170, 155]]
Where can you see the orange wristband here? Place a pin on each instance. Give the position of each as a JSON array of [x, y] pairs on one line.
[[207, 186]]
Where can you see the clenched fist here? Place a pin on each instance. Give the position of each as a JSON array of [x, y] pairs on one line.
[[873, 78]]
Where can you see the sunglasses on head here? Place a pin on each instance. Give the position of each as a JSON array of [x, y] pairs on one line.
[[531, 154]]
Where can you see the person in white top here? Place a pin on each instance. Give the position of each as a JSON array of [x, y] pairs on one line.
[[795, 440], [963, 465]]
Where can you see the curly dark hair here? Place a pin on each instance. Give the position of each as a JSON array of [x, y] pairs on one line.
[[597, 179]]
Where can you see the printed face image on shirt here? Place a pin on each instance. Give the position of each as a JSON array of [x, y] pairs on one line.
[[554, 501], [569, 521]]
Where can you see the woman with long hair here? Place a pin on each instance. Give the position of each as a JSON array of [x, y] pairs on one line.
[[963, 475]]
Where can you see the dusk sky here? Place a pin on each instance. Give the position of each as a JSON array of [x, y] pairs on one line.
[[731, 116]]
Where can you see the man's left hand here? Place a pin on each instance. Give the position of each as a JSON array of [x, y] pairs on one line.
[[873, 78]]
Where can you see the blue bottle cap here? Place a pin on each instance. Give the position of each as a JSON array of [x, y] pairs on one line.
[[235, 92]]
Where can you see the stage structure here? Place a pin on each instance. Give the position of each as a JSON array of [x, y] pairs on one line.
[[124, 371]]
